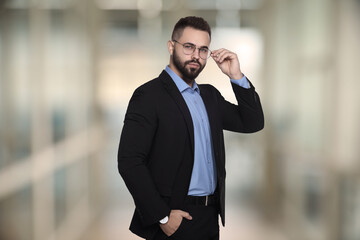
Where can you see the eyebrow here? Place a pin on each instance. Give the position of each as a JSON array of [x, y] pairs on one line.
[[195, 45]]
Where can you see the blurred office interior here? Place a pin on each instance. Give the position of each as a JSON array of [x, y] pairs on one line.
[[68, 69]]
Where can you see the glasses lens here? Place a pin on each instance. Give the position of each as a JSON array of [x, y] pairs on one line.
[[204, 53], [188, 48]]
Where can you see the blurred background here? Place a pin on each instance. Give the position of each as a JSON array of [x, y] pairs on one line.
[[68, 69]]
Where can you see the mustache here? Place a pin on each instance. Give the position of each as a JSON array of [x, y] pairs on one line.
[[192, 61]]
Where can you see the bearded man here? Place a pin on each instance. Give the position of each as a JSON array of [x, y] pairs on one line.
[[171, 153]]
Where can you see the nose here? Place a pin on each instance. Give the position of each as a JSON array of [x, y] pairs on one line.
[[196, 54]]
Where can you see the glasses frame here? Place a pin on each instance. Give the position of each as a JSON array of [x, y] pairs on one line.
[[195, 48]]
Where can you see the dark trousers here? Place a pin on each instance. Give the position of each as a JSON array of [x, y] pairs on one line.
[[203, 226]]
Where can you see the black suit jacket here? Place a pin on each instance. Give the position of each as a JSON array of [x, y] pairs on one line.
[[156, 150]]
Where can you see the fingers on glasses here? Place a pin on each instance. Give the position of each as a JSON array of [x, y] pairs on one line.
[[221, 54]]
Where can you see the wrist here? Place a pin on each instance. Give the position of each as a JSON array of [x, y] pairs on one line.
[[237, 76]]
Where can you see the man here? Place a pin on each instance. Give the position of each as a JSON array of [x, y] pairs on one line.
[[171, 153]]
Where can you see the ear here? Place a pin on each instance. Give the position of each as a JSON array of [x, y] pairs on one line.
[[170, 47]]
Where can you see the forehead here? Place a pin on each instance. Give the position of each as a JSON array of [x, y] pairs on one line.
[[195, 36]]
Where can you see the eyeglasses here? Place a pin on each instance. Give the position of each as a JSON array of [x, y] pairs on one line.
[[189, 48]]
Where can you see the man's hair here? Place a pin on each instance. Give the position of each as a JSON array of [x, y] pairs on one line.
[[191, 21]]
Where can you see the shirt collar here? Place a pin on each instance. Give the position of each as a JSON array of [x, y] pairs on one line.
[[180, 83]]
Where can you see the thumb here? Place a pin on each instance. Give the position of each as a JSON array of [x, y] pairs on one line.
[[186, 215]]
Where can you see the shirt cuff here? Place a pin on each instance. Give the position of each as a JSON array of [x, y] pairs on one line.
[[243, 82], [164, 220]]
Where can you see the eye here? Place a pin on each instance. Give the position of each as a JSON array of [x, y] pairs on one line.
[[188, 46], [204, 50]]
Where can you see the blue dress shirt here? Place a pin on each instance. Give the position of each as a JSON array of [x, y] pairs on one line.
[[203, 178]]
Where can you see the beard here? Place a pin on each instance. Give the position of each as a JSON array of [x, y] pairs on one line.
[[188, 74]]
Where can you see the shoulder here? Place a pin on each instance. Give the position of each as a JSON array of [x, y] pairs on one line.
[[149, 86], [143, 99], [148, 90], [208, 88], [156, 84]]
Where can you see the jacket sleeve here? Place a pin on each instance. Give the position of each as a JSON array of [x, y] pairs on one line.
[[245, 117], [135, 143]]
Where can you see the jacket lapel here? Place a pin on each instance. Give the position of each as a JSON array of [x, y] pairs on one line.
[[179, 100]]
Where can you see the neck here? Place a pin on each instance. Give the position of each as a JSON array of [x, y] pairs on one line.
[[188, 82]]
